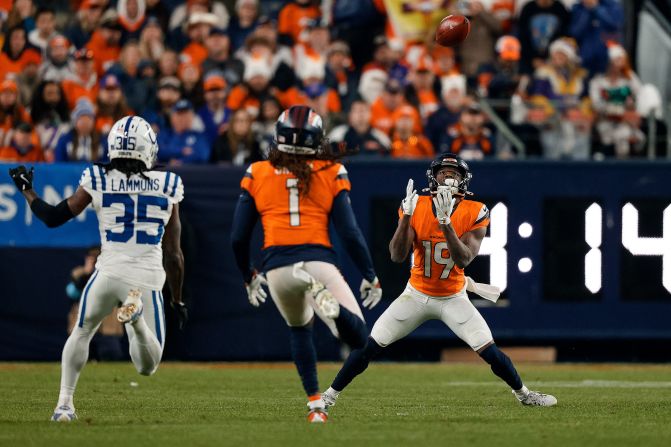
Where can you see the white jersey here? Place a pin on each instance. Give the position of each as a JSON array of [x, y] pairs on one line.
[[132, 214]]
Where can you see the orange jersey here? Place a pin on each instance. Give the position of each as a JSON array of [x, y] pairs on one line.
[[74, 90], [433, 272], [290, 218], [10, 66], [417, 146], [294, 18]]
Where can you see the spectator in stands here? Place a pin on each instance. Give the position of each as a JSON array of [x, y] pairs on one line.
[[106, 42], [183, 12], [383, 108], [24, 146], [168, 93], [453, 94], [539, 24], [27, 81], [83, 142], [84, 81], [340, 73], [592, 23], [469, 138], [421, 91], [560, 106], [57, 65], [317, 43], [257, 46], [254, 89], [238, 144], [217, 45], [266, 28], [168, 64], [86, 21], [313, 92], [293, 19], [131, 18], [444, 61], [243, 22], [111, 104], [127, 72], [50, 115], [479, 47], [152, 39], [214, 113], [199, 26], [17, 54], [406, 143], [192, 87], [185, 142], [613, 96], [499, 80], [359, 135], [11, 111], [45, 28], [264, 126], [375, 73], [22, 14]]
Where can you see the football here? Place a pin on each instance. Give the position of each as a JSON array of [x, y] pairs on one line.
[[452, 30]]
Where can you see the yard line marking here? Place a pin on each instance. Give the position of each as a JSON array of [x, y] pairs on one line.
[[580, 384]]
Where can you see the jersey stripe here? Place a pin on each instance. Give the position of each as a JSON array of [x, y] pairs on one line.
[[82, 311], [125, 133], [174, 186], [157, 318], [103, 181], [93, 178], [167, 182]]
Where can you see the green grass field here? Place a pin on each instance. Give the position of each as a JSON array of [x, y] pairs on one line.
[[392, 404]]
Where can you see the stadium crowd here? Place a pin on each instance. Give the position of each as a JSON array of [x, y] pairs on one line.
[[212, 77]]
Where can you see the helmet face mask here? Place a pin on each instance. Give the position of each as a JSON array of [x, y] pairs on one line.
[[133, 138], [299, 130], [459, 186]]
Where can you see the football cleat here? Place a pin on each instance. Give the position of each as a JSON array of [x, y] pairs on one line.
[[326, 303], [317, 413], [64, 414], [537, 399], [329, 398], [131, 309]]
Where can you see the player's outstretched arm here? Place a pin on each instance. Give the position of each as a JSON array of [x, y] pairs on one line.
[[52, 216]]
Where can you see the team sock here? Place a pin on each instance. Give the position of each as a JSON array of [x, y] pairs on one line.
[[75, 355], [305, 357], [145, 350], [356, 363], [351, 328], [502, 366]]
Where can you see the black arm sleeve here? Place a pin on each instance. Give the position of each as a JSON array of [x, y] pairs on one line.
[[345, 224], [53, 216], [244, 219]]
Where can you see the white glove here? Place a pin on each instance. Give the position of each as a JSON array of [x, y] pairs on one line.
[[444, 204], [255, 293], [371, 292], [410, 202]]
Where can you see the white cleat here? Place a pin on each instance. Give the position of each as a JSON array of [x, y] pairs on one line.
[[329, 399], [317, 413], [326, 303], [537, 399], [131, 309], [64, 414]]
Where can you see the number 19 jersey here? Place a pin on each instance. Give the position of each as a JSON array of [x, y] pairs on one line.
[[433, 271], [132, 214]]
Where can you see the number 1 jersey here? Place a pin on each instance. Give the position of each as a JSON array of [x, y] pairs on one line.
[[132, 215]]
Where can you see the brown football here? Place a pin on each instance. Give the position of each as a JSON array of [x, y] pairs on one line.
[[452, 30]]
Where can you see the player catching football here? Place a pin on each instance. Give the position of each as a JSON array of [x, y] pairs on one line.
[[296, 192], [138, 215], [445, 231]]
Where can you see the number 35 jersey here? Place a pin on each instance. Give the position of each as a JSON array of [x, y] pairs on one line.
[[433, 271], [132, 214], [295, 225]]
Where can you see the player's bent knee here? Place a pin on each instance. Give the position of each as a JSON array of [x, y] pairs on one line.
[[480, 339]]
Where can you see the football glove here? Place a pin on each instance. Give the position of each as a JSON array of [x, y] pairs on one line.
[[255, 293], [371, 292], [410, 202], [23, 178], [444, 204], [182, 313]]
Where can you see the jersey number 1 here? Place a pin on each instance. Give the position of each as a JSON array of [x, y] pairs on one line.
[[128, 218], [437, 256], [294, 211]]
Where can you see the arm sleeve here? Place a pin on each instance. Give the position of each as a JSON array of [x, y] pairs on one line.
[[244, 219], [52, 216], [349, 232]]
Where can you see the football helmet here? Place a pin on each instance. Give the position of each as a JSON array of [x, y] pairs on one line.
[[299, 130], [448, 159], [132, 137]]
